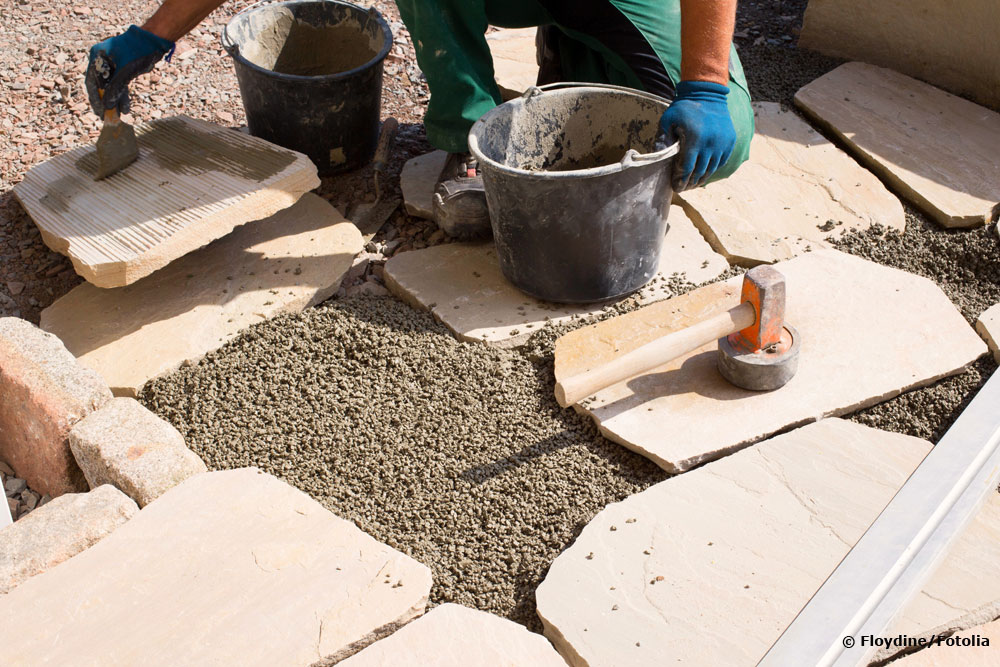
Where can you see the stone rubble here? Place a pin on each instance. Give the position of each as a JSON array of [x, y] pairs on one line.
[[20, 499]]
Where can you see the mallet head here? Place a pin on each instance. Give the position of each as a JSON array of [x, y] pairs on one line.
[[763, 356]]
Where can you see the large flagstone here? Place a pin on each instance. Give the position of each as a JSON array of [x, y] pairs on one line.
[[130, 335], [935, 149], [227, 568], [868, 333], [796, 191], [463, 286], [515, 65]]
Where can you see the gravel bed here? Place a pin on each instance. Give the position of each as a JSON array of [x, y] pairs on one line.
[[20, 499]]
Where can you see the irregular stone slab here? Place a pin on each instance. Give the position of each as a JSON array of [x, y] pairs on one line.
[[294, 259], [929, 145], [43, 392], [417, 181], [455, 635], [988, 326], [950, 44], [869, 333], [125, 444], [515, 63], [59, 530], [463, 286], [976, 647], [730, 552], [233, 567], [796, 191], [193, 182]]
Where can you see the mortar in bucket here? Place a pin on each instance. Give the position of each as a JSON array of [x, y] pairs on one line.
[[310, 75], [578, 197]]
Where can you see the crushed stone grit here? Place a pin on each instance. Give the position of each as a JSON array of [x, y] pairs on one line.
[[454, 453]]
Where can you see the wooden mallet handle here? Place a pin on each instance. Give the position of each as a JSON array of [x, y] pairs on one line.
[[653, 354]]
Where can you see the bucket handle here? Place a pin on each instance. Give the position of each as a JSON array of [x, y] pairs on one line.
[[632, 158]]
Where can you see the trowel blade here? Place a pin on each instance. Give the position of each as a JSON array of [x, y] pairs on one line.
[[116, 149], [369, 218]]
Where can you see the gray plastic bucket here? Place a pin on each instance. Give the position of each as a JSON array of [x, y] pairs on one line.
[[310, 74], [578, 196]]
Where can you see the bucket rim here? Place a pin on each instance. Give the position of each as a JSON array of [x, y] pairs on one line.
[[632, 157], [233, 50]]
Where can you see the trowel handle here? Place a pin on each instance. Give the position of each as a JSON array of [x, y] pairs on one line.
[[654, 354], [382, 149]]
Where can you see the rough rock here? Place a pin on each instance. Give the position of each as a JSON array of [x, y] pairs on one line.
[[233, 567], [928, 145], [950, 44], [988, 326], [59, 530], [709, 567], [834, 300], [417, 181], [455, 635], [43, 393], [515, 64], [975, 647], [125, 444], [796, 190], [463, 286], [292, 260]]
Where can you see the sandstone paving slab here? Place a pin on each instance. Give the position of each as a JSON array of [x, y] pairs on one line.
[[125, 444], [975, 647], [43, 393], [463, 286], [949, 44], [417, 180], [929, 145], [515, 64], [130, 335], [868, 333], [988, 326], [227, 568], [59, 530], [708, 568], [455, 636], [796, 191], [192, 183]]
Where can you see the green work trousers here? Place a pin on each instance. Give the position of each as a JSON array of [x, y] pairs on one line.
[[450, 42]]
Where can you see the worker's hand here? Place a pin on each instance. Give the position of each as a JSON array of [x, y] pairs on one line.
[[699, 119], [116, 61]]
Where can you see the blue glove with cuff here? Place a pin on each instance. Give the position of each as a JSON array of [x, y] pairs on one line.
[[115, 62], [699, 118]]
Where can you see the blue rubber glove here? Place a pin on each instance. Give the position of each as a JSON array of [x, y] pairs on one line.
[[699, 118], [116, 61]]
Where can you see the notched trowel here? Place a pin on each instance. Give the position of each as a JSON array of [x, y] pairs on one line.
[[117, 147]]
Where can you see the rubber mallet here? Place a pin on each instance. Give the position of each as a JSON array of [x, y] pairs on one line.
[[757, 349]]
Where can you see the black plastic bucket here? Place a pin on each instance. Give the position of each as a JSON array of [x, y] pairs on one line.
[[578, 197], [310, 74]]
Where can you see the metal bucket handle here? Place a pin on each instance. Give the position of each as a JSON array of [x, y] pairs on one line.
[[632, 157]]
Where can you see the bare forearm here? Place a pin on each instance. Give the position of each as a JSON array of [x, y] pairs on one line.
[[176, 18], [706, 34]]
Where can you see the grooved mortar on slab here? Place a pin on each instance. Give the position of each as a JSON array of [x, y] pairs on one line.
[[59, 530], [455, 453], [125, 444], [226, 568]]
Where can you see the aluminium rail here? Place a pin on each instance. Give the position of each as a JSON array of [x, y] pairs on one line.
[[900, 550]]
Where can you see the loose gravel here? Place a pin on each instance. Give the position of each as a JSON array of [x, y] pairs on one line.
[[21, 500], [455, 453]]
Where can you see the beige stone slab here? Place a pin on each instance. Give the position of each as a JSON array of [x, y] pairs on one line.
[[417, 181], [932, 147], [227, 568], [455, 636], [294, 259], [708, 568], [796, 191], [988, 326], [950, 44], [463, 286], [868, 332], [976, 647], [515, 64], [193, 183]]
